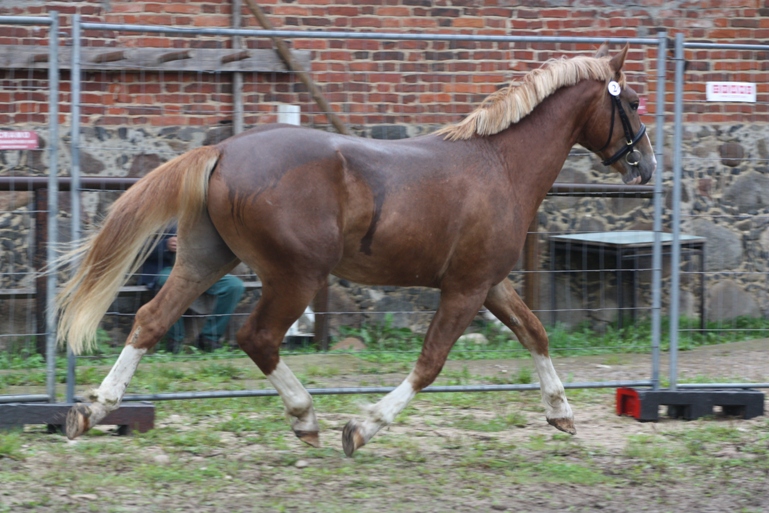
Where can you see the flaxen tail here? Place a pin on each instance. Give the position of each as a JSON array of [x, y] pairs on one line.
[[175, 190]]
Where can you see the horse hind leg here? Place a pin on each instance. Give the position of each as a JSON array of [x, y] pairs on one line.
[[507, 306], [260, 337], [202, 259]]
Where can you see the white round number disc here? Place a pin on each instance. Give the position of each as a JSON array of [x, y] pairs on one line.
[[614, 88]]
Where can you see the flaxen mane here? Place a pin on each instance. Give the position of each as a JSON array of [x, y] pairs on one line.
[[514, 102]]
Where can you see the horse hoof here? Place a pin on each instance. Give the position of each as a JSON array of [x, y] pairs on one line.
[[351, 438], [563, 424], [78, 420], [309, 437]]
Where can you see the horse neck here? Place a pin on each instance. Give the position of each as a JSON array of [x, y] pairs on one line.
[[536, 148]]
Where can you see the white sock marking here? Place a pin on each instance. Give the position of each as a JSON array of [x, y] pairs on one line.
[[384, 412], [297, 400], [111, 390], [553, 394]]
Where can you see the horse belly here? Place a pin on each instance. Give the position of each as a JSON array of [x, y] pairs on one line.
[[402, 260]]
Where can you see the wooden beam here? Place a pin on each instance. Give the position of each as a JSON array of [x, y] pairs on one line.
[[285, 54], [152, 59], [139, 416], [531, 266]]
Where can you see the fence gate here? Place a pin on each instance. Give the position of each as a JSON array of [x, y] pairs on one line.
[[29, 158], [720, 193]]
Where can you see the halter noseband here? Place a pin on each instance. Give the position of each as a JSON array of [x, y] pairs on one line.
[[632, 156]]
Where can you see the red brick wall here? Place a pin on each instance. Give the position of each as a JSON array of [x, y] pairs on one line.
[[375, 82]]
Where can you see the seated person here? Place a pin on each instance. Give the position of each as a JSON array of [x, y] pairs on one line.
[[227, 291]]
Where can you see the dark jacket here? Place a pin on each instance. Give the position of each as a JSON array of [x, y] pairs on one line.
[[157, 260]]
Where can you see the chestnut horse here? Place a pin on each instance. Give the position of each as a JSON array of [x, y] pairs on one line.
[[448, 210]]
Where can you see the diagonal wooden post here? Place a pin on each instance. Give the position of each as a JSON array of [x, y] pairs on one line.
[[285, 54]]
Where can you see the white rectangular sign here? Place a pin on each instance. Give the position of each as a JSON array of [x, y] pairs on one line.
[[731, 92]]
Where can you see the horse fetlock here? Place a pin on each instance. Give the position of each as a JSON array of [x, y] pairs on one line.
[[300, 408], [556, 404], [307, 422]]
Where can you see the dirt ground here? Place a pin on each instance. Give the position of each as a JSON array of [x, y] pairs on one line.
[[443, 454]]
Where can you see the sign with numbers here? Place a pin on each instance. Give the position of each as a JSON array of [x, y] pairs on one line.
[[731, 92], [12, 140]]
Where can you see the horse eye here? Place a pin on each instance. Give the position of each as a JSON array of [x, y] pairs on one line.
[[634, 105]]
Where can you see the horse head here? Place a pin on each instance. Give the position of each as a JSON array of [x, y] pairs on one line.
[[614, 130]]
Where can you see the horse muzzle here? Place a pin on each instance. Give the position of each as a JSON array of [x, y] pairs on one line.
[[639, 173]]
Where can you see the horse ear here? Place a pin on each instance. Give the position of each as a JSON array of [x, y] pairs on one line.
[[618, 60], [602, 51]]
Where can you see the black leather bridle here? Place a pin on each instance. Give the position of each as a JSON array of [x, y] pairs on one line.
[[632, 156]]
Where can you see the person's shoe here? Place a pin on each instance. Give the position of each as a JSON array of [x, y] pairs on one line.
[[208, 345], [174, 346]]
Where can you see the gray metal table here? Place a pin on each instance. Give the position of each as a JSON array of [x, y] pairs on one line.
[[624, 247]]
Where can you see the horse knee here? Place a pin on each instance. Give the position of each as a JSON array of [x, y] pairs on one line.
[[300, 405]]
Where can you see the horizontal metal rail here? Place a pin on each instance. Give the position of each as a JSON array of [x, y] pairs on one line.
[[316, 34], [173, 396], [25, 20], [726, 46], [31, 183], [27, 183], [33, 398]]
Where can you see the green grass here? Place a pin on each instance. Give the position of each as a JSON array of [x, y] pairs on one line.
[[386, 344], [10, 445], [500, 422]]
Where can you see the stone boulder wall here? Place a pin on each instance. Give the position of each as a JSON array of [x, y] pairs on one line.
[[16, 240], [726, 176], [728, 299]]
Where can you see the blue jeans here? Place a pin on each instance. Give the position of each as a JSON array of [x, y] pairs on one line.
[[228, 291]]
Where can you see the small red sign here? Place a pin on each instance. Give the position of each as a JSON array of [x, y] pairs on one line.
[[642, 106], [11, 140]]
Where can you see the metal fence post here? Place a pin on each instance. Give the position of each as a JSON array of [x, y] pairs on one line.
[[675, 257], [658, 196], [53, 202], [75, 174]]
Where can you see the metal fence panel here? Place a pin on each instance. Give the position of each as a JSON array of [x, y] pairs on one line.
[[381, 86], [719, 190], [28, 235]]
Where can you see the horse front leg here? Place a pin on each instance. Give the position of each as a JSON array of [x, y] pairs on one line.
[[509, 308], [454, 314]]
